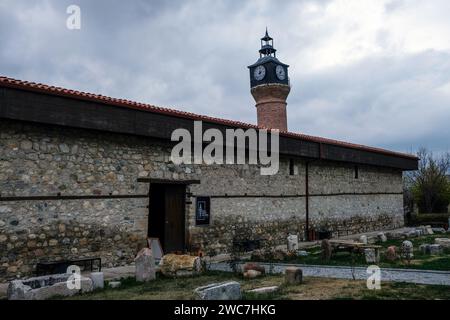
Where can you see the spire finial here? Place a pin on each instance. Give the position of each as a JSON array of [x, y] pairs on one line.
[[267, 33]]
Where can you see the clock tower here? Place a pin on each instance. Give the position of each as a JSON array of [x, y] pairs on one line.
[[270, 87]]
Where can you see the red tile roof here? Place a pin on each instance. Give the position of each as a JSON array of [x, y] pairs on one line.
[[43, 88]]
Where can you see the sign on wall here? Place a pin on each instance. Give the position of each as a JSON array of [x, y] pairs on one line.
[[202, 211]]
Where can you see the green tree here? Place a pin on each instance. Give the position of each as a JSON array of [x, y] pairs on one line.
[[430, 185]]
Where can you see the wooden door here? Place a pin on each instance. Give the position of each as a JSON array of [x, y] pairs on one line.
[[174, 231]]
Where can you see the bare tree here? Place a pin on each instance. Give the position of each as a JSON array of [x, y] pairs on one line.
[[429, 185]]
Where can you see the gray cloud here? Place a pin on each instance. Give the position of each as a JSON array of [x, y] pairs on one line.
[[399, 103], [192, 55]]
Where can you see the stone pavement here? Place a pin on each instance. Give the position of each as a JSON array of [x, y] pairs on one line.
[[360, 273]]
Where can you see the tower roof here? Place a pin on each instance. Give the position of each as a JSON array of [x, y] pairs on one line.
[[267, 53], [266, 59]]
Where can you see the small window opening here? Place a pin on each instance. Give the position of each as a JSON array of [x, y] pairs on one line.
[[291, 167], [356, 172]]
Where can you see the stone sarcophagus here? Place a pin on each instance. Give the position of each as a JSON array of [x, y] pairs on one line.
[[41, 288]]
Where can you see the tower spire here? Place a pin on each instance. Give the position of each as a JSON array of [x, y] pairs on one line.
[[267, 48]]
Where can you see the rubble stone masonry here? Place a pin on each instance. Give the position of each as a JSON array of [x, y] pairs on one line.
[[48, 161]]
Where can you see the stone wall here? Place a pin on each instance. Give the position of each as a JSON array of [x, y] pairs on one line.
[[42, 161], [39, 160], [54, 230], [356, 205]]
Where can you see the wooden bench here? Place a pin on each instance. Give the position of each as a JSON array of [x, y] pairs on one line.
[[60, 267]]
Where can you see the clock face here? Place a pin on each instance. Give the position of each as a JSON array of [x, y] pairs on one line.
[[281, 74], [259, 73]]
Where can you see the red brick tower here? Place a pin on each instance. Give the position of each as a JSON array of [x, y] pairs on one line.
[[270, 87]]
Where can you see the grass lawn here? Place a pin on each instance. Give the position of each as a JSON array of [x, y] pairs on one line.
[[420, 261], [312, 289]]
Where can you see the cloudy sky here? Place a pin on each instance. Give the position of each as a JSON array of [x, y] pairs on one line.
[[371, 72]]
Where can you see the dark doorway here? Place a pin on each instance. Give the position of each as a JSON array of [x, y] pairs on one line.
[[166, 216]]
